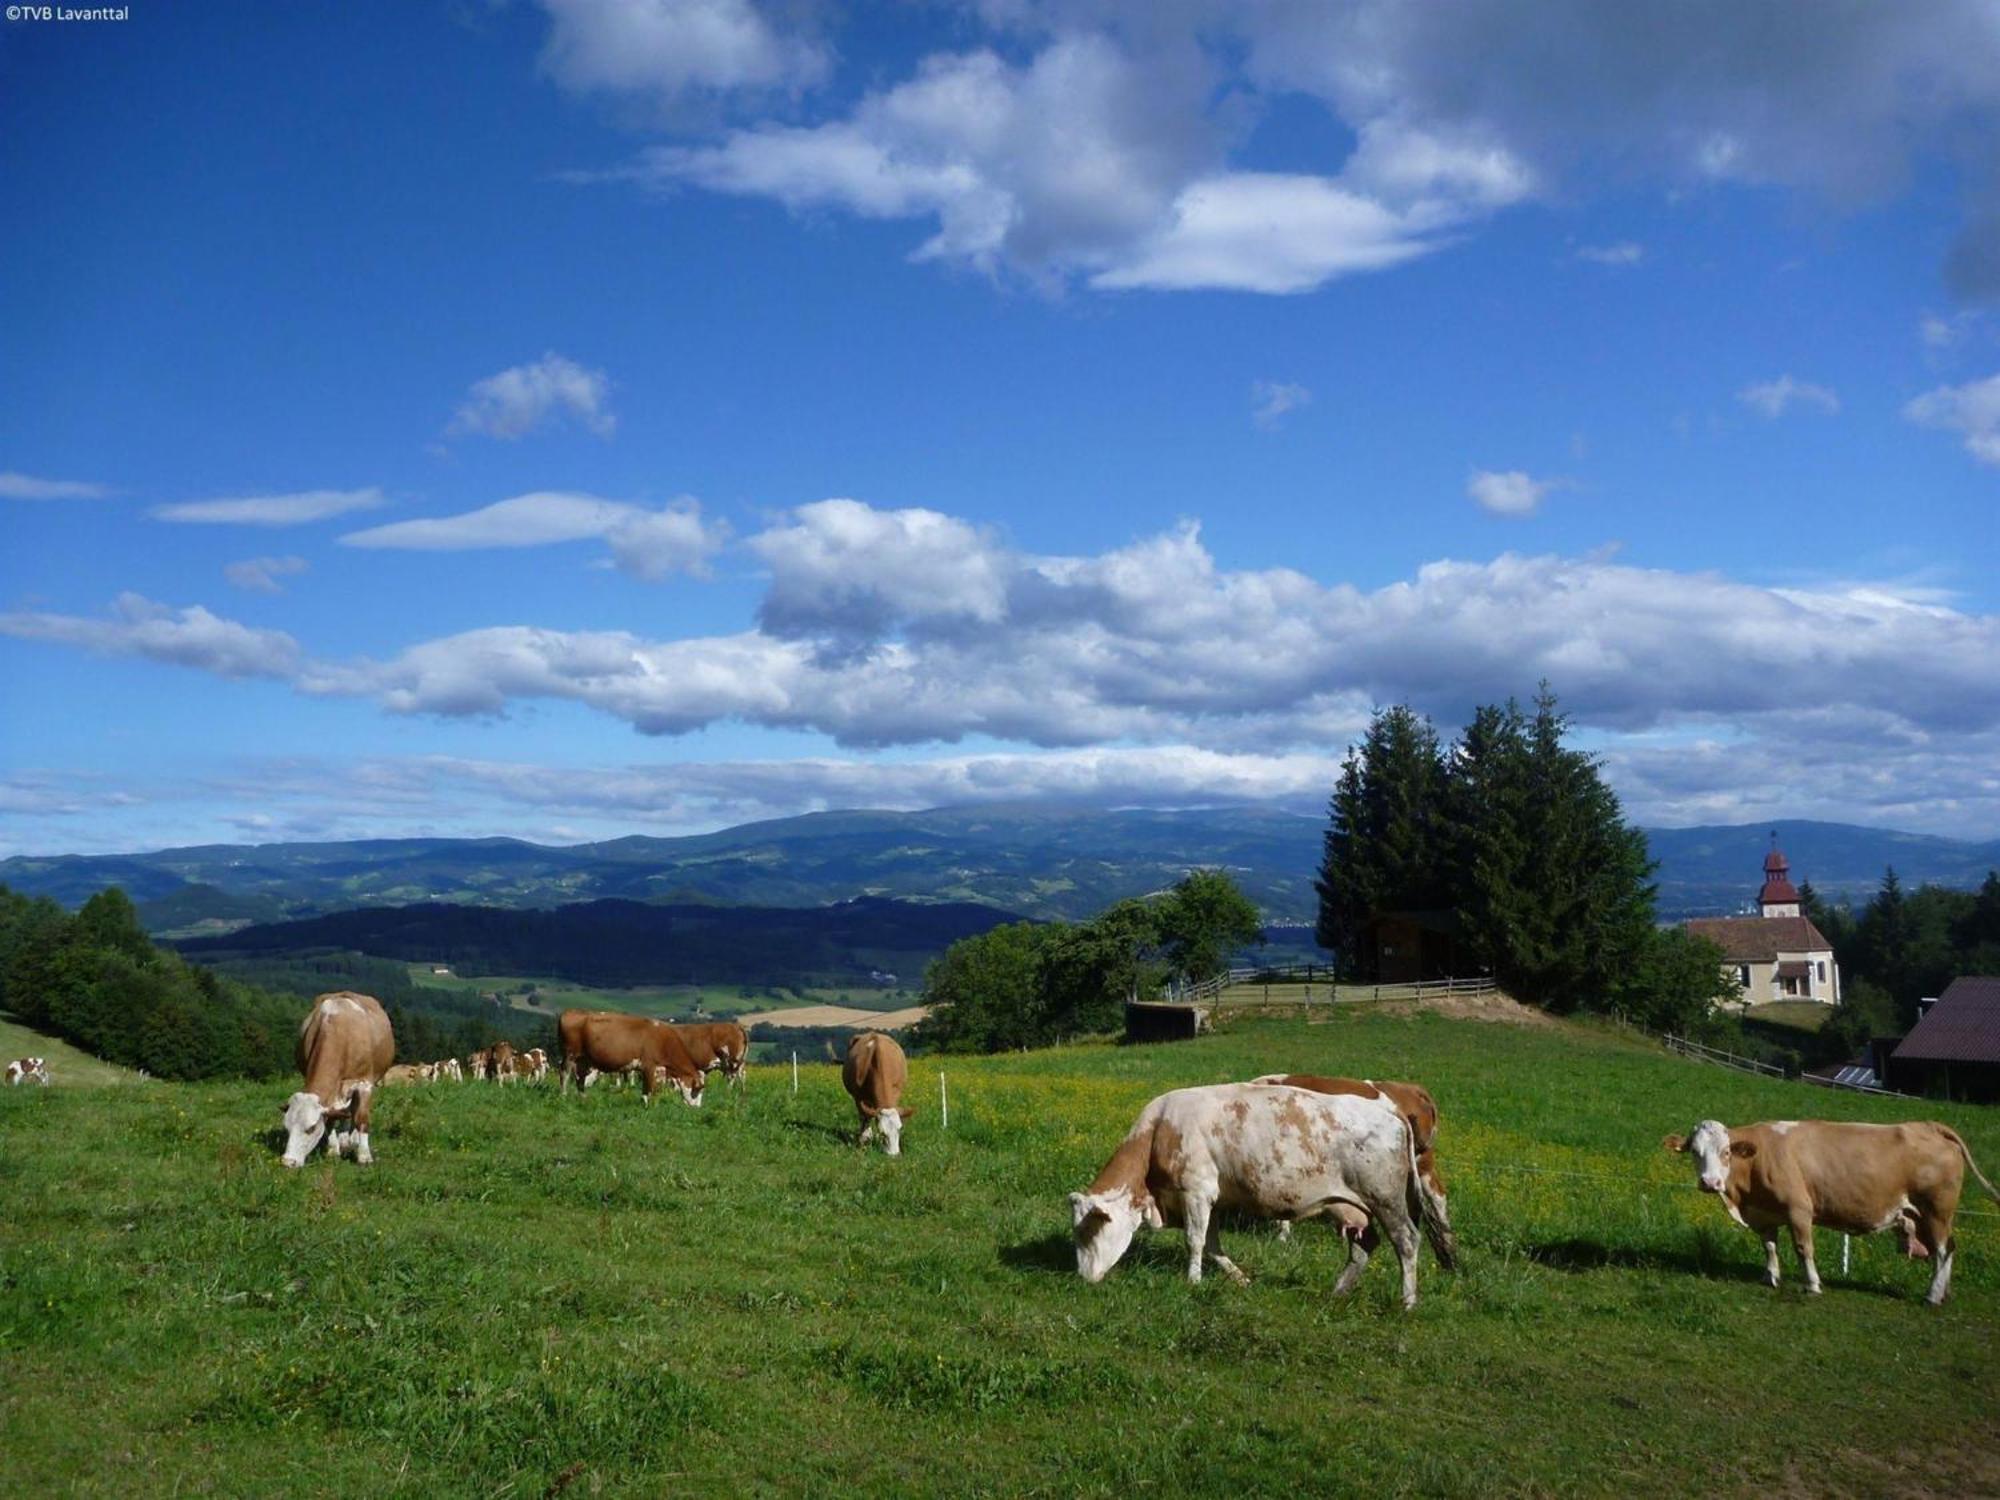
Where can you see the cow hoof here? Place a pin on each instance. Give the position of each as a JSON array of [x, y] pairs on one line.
[[1812, 1291]]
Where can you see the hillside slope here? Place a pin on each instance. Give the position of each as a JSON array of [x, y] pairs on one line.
[[69, 1067], [532, 1293]]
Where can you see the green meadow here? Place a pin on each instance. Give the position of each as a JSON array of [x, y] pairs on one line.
[[533, 1295]]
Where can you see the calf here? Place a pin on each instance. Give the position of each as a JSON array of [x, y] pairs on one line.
[[503, 1063], [21, 1069], [404, 1073], [717, 1044], [345, 1045], [611, 1043], [873, 1075], [1852, 1177], [532, 1064], [479, 1064], [1420, 1113], [1273, 1152], [449, 1068]]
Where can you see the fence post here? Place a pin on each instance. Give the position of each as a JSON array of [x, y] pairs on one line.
[[795, 1072], [944, 1105]]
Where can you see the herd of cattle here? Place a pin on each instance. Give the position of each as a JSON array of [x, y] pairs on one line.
[[1286, 1146]]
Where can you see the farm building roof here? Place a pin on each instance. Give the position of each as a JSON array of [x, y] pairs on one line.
[[1760, 939], [1964, 1025]]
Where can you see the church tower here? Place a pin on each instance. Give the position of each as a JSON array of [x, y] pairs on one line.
[[1779, 897]]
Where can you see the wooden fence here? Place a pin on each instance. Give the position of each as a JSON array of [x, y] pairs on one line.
[[1702, 1053], [1311, 984]]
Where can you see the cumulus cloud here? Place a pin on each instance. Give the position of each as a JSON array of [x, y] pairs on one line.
[[271, 510], [1772, 398], [190, 637], [1623, 253], [644, 542], [1102, 140], [260, 575], [1509, 492], [17, 486], [1971, 410], [516, 401], [670, 48]]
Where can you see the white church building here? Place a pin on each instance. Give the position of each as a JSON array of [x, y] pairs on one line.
[[1777, 954]]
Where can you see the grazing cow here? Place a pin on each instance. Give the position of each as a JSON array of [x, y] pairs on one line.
[[479, 1064], [1852, 1177], [449, 1068], [21, 1069], [873, 1075], [611, 1043], [1420, 1112], [345, 1045], [532, 1064], [717, 1044], [1277, 1153], [403, 1073], [503, 1064]]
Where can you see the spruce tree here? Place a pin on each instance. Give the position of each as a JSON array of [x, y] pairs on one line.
[[1386, 838]]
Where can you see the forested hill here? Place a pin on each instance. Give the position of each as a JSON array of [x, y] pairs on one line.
[[621, 943], [1034, 859]]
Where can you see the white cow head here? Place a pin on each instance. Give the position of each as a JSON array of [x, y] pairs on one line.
[[891, 1123], [305, 1123], [1713, 1152], [688, 1088], [1103, 1225]]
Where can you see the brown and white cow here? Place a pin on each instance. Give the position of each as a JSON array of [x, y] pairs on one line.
[[22, 1069], [345, 1046], [1420, 1112], [1856, 1178], [611, 1043], [479, 1064], [1273, 1152], [448, 1068], [502, 1062], [874, 1074], [404, 1073], [532, 1064], [717, 1044]]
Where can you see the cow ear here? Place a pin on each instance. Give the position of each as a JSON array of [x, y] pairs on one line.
[[1744, 1149], [1674, 1143], [905, 1111]]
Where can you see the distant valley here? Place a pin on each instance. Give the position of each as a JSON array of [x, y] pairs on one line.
[[1026, 859]]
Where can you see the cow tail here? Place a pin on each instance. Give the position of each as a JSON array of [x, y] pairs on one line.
[[1971, 1165], [1425, 1208]]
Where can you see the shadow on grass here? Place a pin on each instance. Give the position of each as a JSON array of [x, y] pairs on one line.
[[815, 1127], [1052, 1254], [1588, 1255]]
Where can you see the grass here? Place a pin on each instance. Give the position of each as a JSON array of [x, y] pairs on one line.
[[68, 1067], [1806, 1015], [531, 1293]]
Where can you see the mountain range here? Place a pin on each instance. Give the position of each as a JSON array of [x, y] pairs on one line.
[[1031, 859]]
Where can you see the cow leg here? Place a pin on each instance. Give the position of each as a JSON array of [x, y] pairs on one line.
[[1802, 1241], [1770, 1239], [1195, 1218], [1943, 1246], [1212, 1245], [1357, 1262], [1404, 1237], [363, 1106], [1284, 1231]]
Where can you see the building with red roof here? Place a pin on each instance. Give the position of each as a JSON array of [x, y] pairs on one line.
[[1778, 954]]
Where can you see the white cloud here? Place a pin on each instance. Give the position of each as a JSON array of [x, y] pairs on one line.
[[17, 486], [1102, 140], [1971, 410], [1622, 253], [669, 48], [191, 637], [260, 575], [1508, 492], [1270, 400], [516, 401], [1773, 397], [648, 544], [271, 510]]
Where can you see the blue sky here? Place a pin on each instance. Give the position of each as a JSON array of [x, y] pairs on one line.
[[574, 418]]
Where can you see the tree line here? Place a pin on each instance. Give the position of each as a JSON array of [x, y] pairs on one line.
[[1510, 837], [1031, 984], [96, 980]]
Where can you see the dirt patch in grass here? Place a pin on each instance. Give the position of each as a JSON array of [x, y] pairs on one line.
[[1502, 1008], [1970, 1467]]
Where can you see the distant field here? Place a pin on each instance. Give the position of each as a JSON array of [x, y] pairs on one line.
[[532, 1294], [840, 1015], [68, 1068], [553, 996]]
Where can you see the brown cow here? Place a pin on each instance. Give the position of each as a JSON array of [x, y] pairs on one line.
[[1420, 1112], [533, 1064], [404, 1073], [502, 1062], [717, 1044], [873, 1075], [345, 1045], [1852, 1177], [611, 1042], [479, 1064]]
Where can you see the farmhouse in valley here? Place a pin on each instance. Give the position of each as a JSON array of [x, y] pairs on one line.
[[1777, 954]]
